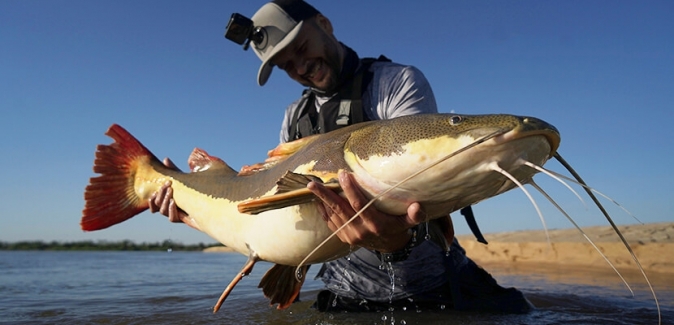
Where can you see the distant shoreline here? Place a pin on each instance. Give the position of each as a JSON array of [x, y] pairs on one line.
[[219, 249], [87, 245]]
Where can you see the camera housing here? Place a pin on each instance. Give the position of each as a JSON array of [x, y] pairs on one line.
[[241, 30]]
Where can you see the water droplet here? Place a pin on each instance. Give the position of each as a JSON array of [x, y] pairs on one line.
[[383, 317], [404, 308], [403, 322], [442, 307], [393, 320], [427, 237], [334, 302], [391, 308], [299, 275]]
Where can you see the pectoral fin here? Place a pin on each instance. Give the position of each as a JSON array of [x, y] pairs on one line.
[[467, 212], [292, 190]]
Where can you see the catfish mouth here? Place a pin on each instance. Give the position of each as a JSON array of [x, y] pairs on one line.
[[529, 127]]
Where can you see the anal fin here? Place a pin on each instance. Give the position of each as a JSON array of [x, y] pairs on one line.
[[280, 285]]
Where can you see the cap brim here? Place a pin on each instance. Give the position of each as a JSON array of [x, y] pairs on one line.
[[266, 68]]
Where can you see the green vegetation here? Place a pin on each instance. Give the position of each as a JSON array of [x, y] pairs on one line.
[[125, 245]]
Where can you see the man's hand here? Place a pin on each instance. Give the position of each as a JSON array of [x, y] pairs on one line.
[[372, 229], [162, 202]]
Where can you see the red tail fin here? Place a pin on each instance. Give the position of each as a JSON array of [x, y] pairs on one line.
[[110, 198]]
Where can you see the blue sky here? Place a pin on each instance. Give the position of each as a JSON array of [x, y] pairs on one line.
[[601, 71]]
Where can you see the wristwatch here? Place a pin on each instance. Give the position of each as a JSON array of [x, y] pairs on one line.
[[401, 254]]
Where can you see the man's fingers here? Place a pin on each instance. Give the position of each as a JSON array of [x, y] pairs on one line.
[[157, 199], [166, 195], [322, 211], [352, 192], [153, 206], [331, 200], [415, 215], [332, 210], [173, 214]]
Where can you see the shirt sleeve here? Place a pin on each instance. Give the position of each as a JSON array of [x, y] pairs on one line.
[[398, 90]]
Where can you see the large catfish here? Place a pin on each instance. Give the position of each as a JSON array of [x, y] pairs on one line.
[[266, 212]]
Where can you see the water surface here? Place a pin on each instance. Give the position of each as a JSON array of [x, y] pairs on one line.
[[181, 288]]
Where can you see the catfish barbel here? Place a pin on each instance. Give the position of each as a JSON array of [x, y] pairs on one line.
[[267, 213]]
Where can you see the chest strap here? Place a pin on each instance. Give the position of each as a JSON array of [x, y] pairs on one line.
[[344, 108]]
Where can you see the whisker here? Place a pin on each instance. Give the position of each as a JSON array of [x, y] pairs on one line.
[[359, 212], [555, 177], [532, 183], [550, 172], [589, 190], [494, 166]]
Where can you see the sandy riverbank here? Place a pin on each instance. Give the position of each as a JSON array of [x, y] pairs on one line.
[[652, 243]]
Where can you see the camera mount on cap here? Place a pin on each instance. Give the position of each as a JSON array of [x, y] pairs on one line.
[[241, 30]]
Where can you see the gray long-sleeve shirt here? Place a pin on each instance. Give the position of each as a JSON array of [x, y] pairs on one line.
[[395, 90]]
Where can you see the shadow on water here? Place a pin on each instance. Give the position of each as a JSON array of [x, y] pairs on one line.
[[181, 288]]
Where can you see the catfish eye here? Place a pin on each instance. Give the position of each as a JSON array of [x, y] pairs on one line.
[[455, 120]]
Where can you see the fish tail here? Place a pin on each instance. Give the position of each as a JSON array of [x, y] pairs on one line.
[[111, 197]]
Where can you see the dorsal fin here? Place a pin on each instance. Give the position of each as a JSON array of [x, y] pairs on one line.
[[248, 170], [200, 161], [284, 150], [276, 155]]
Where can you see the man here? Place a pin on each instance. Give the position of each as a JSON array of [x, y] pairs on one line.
[[343, 89]]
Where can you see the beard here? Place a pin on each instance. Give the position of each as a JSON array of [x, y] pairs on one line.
[[332, 61]]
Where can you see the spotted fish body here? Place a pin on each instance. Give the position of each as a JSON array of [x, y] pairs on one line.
[[460, 181], [268, 214]]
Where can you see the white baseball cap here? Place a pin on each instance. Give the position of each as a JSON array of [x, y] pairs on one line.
[[279, 21]]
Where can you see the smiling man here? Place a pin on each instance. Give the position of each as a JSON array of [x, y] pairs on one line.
[[344, 89]]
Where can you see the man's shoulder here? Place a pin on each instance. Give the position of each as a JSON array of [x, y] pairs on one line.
[[391, 65], [392, 71]]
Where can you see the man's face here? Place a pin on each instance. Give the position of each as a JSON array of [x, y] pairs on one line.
[[314, 57]]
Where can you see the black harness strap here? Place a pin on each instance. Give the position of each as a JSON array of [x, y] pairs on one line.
[[345, 108]]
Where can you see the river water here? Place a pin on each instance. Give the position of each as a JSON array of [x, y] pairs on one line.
[[182, 287]]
